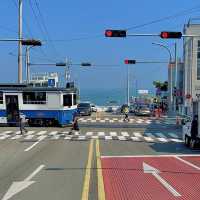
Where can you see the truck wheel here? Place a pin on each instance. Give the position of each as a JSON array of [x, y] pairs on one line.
[[187, 141]]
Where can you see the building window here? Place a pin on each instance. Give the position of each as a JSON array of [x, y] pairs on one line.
[[198, 60], [67, 100], [34, 97], [1, 97], [75, 99]]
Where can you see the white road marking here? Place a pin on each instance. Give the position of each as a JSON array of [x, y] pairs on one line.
[[135, 138], [102, 120], [149, 135], [81, 137], [160, 135], [41, 132], [148, 139], [113, 134], [18, 132], [137, 134], [29, 137], [52, 133], [125, 134], [6, 132], [108, 137], [187, 162], [155, 172], [55, 137], [89, 133], [173, 135], [16, 137], [93, 120], [95, 137], [111, 121], [68, 138], [101, 134], [30, 132], [176, 140], [122, 138], [40, 138], [3, 137], [17, 187], [162, 139]]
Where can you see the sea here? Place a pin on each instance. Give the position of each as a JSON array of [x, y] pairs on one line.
[[105, 97]]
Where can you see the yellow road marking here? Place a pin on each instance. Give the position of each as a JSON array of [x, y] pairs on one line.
[[101, 191], [86, 186]]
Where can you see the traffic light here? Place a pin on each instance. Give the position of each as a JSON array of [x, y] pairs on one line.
[[175, 92], [127, 62], [32, 42], [86, 64], [170, 35], [115, 33]]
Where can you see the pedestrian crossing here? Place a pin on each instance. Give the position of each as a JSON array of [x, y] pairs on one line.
[[151, 137], [139, 121]]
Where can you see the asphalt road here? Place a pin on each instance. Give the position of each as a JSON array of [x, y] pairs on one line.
[[48, 164]]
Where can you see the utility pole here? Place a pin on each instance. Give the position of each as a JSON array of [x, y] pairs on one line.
[[20, 43]]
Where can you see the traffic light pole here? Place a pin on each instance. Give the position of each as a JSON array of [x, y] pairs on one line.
[[128, 94]]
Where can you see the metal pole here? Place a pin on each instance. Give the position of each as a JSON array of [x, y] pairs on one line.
[[176, 73], [20, 43], [28, 64], [128, 86]]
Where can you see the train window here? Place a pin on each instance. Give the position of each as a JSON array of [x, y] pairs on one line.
[[1, 97], [74, 99], [34, 97], [67, 100]]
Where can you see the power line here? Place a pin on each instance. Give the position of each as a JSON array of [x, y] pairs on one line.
[[182, 13], [43, 25]]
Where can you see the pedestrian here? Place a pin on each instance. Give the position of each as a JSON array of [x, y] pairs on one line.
[[75, 126], [126, 112], [22, 122], [194, 128]]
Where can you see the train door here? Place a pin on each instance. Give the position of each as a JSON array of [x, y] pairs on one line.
[[12, 108]]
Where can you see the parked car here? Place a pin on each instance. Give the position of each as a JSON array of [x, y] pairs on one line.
[[143, 110], [93, 108], [84, 109], [109, 109]]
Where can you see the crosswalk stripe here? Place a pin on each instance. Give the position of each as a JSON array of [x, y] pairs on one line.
[[173, 135], [30, 132], [4, 137], [108, 137], [6, 132], [101, 134], [125, 134], [68, 138], [137, 134], [53, 133], [18, 132], [149, 135], [41, 137], [135, 138], [160, 135], [16, 137], [89, 133], [41, 132], [102, 120], [81, 137], [55, 137], [29, 137], [113, 134], [111, 121], [95, 137], [162, 139], [148, 139], [123, 138], [176, 140]]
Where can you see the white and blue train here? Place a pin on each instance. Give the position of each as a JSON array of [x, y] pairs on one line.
[[44, 106]]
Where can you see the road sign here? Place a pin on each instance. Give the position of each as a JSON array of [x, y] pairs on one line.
[[51, 82]]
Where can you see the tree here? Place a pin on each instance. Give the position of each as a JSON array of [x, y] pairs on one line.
[[163, 86]]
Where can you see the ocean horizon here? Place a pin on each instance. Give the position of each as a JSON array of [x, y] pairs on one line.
[[102, 97]]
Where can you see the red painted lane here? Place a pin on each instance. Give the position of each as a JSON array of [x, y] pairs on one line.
[[192, 159], [124, 179]]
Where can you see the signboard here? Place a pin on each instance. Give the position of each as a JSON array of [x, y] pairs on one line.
[[143, 92], [51, 82]]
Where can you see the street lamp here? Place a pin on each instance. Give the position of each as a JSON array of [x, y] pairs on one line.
[[170, 70]]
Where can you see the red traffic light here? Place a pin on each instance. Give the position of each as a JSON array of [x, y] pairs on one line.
[[129, 61], [115, 33], [168, 35]]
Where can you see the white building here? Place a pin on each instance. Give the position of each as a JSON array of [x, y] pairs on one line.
[[191, 56]]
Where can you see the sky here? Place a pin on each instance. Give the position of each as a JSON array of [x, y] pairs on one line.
[[75, 30]]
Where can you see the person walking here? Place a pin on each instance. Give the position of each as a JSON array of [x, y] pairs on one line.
[[194, 131], [22, 122], [126, 112], [75, 126]]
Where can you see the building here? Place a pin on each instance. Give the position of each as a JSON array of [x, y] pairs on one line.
[[191, 56]]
